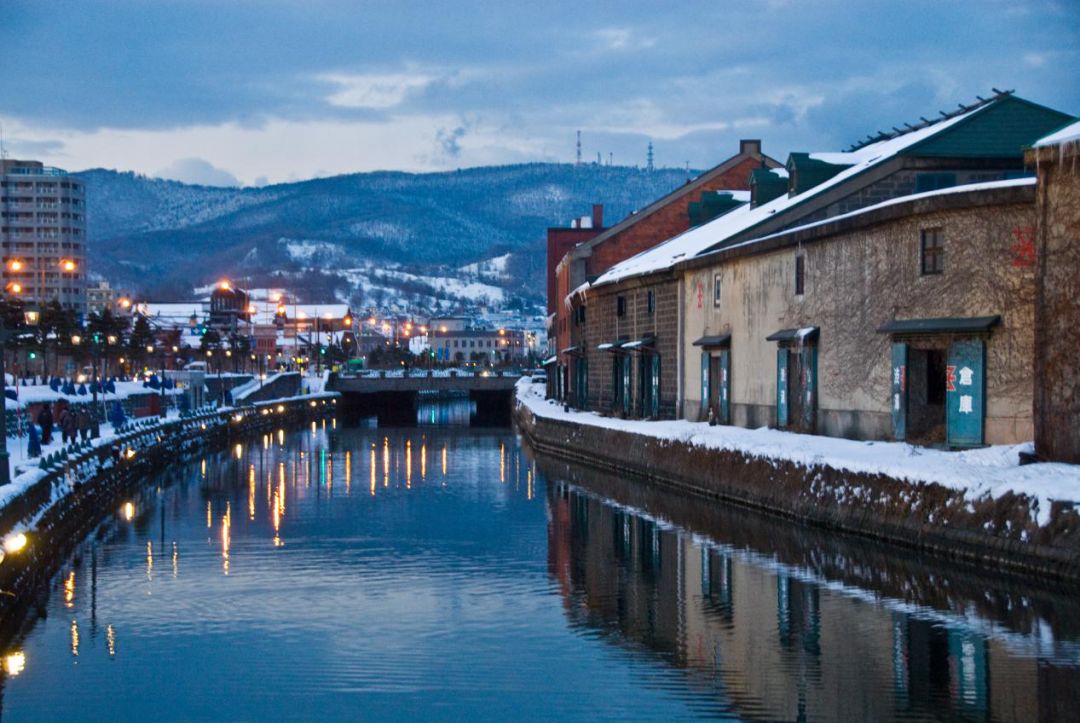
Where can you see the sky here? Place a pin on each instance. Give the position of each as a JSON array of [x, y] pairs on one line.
[[250, 93]]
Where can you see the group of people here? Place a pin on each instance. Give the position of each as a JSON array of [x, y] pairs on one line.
[[74, 423]]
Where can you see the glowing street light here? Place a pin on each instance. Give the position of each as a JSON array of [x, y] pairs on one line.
[[15, 265]]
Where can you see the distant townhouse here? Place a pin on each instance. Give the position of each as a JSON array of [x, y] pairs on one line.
[[883, 292], [707, 196]]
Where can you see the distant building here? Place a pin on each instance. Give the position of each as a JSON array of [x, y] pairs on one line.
[[43, 234], [230, 306], [103, 296], [561, 239]]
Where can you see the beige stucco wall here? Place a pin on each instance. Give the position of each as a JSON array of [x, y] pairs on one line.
[[856, 282]]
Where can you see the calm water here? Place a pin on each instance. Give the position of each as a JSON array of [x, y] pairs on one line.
[[438, 572]]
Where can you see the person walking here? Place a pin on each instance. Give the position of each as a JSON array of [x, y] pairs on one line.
[[69, 425], [45, 421], [83, 422]]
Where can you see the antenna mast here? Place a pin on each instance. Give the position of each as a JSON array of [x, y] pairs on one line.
[[578, 148], [649, 159]]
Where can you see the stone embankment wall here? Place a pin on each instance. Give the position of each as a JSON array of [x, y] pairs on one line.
[[77, 492], [994, 533]]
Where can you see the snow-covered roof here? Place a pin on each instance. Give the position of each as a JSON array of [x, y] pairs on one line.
[[1068, 134], [701, 238], [986, 186]]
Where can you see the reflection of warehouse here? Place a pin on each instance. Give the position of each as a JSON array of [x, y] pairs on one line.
[[775, 645]]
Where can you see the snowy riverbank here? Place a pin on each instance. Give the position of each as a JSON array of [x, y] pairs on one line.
[[988, 473]]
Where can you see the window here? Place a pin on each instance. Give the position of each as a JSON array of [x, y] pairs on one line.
[[933, 251], [800, 275], [620, 306], [934, 181], [651, 301], [579, 314], [716, 290]]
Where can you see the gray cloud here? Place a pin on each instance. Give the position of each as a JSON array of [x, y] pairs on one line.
[[449, 141]]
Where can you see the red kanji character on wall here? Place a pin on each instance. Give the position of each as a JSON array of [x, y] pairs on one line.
[[1024, 248], [950, 378]]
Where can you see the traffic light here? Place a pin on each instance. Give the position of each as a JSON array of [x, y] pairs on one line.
[[32, 355]]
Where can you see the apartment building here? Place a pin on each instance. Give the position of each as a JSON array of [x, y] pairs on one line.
[[43, 234]]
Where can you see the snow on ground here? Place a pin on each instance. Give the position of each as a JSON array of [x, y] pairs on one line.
[[494, 267], [42, 393], [991, 471], [304, 250]]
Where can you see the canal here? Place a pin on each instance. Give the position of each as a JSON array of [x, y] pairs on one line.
[[346, 571]]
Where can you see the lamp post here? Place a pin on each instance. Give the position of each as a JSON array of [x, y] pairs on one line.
[[31, 319]]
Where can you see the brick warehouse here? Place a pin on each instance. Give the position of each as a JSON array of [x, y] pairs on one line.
[[694, 203]]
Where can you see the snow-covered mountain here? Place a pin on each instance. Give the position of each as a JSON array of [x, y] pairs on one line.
[[471, 233]]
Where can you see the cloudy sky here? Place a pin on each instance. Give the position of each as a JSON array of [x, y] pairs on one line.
[[252, 92]]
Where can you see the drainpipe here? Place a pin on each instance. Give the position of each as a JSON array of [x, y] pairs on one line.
[[679, 353]]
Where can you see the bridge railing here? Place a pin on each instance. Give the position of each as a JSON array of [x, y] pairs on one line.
[[425, 373]]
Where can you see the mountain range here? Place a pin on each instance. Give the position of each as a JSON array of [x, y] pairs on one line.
[[164, 237]]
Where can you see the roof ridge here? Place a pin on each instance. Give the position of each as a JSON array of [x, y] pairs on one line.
[[925, 122]]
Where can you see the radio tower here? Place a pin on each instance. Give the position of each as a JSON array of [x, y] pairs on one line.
[[649, 159], [578, 148]]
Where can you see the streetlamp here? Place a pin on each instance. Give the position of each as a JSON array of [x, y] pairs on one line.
[[30, 318]]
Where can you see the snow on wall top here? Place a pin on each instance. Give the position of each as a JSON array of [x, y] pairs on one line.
[[696, 240], [985, 186], [1068, 134]]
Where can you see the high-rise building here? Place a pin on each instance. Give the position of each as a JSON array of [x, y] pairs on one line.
[[43, 234]]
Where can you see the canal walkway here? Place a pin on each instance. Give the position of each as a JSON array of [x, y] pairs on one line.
[[978, 504]]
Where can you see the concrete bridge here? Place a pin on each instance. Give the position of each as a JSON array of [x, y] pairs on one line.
[[393, 395]]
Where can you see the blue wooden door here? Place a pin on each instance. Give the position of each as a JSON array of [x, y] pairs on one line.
[[725, 387], [654, 386], [781, 387], [705, 386], [898, 400], [965, 393], [808, 388]]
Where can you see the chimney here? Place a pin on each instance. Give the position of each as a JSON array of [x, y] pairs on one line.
[[598, 215], [750, 146]]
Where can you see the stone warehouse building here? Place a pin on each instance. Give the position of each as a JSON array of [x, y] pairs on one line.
[[863, 326], [1056, 248], [711, 194], [884, 292]]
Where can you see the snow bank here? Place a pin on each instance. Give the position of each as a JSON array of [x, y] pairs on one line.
[[988, 472], [42, 393]]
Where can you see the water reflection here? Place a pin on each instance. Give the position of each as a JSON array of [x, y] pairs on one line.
[[476, 588], [783, 641]]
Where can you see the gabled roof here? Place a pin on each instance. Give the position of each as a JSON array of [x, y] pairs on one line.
[[662, 202], [741, 221]]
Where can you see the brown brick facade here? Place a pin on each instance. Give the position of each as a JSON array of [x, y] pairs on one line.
[[604, 325]]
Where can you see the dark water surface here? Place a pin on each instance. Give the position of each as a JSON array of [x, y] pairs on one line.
[[338, 573]]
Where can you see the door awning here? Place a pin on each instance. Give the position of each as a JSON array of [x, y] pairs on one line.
[[947, 325], [612, 346], [571, 350], [549, 360], [649, 340], [714, 341], [806, 333]]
